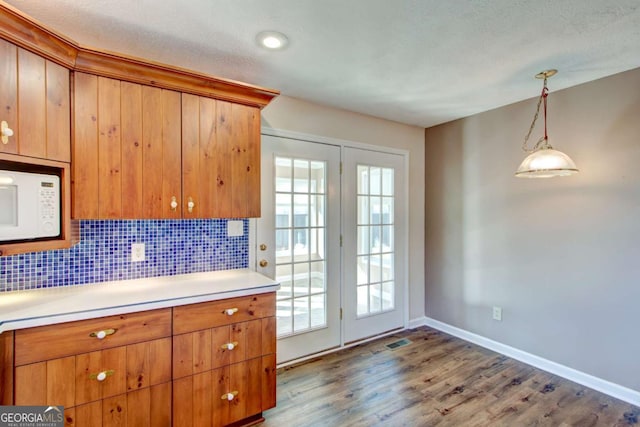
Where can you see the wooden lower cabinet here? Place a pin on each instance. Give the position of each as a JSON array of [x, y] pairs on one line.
[[217, 369], [224, 374], [203, 399], [121, 386]]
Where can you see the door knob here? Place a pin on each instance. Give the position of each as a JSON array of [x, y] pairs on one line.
[[263, 263]]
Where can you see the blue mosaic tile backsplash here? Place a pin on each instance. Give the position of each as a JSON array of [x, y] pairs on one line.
[[104, 253]]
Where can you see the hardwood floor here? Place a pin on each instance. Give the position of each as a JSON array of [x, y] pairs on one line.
[[436, 380]]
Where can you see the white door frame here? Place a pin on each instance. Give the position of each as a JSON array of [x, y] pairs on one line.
[[352, 144]]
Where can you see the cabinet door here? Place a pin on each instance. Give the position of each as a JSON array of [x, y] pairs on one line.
[[34, 94], [219, 397], [76, 380], [245, 171], [220, 158], [124, 132]]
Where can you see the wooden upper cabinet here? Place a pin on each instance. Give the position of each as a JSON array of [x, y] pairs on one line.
[[35, 103], [126, 150], [145, 152], [148, 140], [220, 158]]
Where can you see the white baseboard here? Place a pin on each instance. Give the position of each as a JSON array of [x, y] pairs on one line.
[[607, 387], [414, 323]]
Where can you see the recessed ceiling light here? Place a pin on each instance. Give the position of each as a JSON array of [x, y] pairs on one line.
[[272, 40]]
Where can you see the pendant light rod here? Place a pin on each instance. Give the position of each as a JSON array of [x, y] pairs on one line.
[[542, 102]]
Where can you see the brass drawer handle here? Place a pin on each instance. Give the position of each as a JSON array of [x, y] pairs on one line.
[[229, 396], [101, 376], [103, 333], [230, 311], [229, 345]]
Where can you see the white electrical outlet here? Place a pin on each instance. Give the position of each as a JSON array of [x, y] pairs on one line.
[[137, 252], [497, 313], [235, 228]]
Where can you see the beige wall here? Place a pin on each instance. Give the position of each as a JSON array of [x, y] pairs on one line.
[[560, 256], [292, 114]]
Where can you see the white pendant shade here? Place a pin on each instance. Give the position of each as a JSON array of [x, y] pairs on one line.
[[546, 163]]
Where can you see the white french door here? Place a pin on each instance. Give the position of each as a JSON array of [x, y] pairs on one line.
[[374, 249], [298, 236], [335, 242]]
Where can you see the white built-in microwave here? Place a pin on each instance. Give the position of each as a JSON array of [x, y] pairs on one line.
[[29, 206]]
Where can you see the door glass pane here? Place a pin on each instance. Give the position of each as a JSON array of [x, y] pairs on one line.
[[387, 296], [363, 179], [363, 270], [375, 239], [387, 182], [283, 272], [375, 260], [301, 279], [387, 238], [375, 184], [363, 209], [316, 245], [301, 176], [386, 210], [317, 177], [387, 267], [300, 227], [375, 303], [363, 240], [376, 210], [301, 315], [283, 174], [318, 312], [318, 284]]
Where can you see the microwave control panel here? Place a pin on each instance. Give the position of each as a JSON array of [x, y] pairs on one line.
[[49, 202]]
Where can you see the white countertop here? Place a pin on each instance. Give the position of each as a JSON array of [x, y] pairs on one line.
[[37, 307]]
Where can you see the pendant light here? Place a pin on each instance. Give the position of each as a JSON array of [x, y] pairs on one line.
[[544, 161]]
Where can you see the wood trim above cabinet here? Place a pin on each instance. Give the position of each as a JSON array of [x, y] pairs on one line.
[[30, 34], [146, 72]]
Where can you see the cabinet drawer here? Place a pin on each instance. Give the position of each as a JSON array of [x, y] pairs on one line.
[[66, 339], [208, 349], [194, 317]]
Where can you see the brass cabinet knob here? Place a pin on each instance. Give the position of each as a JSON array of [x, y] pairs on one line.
[[229, 345], [6, 132], [263, 263], [263, 247], [230, 311], [103, 333], [229, 396], [101, 376]]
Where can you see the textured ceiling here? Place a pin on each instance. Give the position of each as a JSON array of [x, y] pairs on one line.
[[420, 62]]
